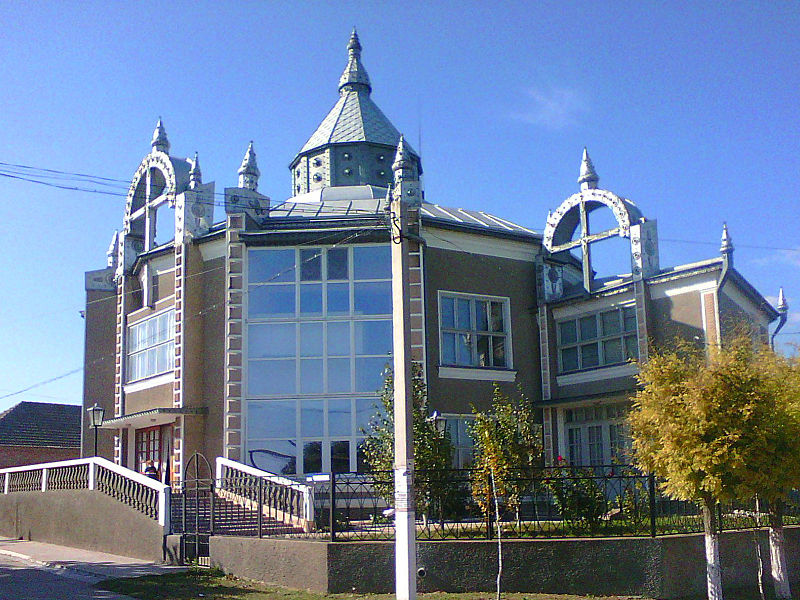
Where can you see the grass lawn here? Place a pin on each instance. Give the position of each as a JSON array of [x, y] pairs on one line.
[[213, 585]]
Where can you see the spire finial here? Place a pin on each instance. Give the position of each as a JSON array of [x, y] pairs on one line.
[[195, 174], [160, 141], [248, 172], [783, 305], [727, 241], [113, 249], [401, 161], [354, 77], [588, 177]]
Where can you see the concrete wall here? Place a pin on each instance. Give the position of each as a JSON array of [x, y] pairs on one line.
[[665, 567], [80, 519]]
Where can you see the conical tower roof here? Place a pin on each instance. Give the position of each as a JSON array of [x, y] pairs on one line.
[[354, 117]]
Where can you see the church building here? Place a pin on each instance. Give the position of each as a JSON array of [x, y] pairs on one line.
[[231, 325]]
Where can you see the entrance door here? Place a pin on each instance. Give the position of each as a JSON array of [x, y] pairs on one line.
[[155, 443]]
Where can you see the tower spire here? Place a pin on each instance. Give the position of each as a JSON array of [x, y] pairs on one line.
[[195, 174], [782, 306], [160, 141], [248, 172], [588, 177], [727, 241], [354, 77]]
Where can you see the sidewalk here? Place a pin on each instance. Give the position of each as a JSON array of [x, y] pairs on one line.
[[94, 565]]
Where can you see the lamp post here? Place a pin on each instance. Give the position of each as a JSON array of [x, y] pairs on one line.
[[96, 414]]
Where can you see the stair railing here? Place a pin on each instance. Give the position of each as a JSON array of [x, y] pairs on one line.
[[133, 489], [273, 496]]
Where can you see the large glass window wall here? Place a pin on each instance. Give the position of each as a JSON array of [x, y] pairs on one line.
[[319, 337]]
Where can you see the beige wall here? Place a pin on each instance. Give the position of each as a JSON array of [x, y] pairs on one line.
[[478, 274], [98, 371]]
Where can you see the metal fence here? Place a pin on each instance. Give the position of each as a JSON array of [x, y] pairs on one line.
[[554, 502]]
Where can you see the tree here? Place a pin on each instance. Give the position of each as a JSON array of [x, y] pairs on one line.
[[433, 450], [717, 428], [508, 447]]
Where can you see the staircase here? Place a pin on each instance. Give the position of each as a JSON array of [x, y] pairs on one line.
[[191, 514]]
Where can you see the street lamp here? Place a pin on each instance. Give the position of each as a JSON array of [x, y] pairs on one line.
[[96, 414]]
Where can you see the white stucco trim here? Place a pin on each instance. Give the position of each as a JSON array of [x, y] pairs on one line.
[[212, 249], [478, 244], [477, 374], [593, 306], [598, 374], [150, 382], [699, 283]]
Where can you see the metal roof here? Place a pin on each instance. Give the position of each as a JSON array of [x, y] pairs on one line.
[[354, 118]]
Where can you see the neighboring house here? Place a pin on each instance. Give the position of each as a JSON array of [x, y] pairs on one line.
[[38, 432], [263, 338]]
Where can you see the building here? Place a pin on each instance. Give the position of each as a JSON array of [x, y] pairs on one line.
[[262, 335], [38, 432]]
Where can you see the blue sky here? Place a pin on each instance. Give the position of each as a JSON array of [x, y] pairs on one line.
[[688, 109]]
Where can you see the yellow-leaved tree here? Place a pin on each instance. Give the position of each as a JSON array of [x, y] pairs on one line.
[[717, 426]]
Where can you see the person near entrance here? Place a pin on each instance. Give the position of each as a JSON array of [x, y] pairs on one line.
[[151, 471]]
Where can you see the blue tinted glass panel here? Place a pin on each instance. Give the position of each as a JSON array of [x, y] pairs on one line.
[[337, 263], [373, 298], [373, 337], [372, 262], [270, 265], [269, 377], [339, 417], [274, 456], [367, 409], [271, 419], [463, 318], [338, 299], [449, 348], [338, 339], [310, 339], [369, 374], [311, 264], [311, 299], [268, 341], [339, 375], [312, 418], [271, 300], [448, 312], [311, 376]]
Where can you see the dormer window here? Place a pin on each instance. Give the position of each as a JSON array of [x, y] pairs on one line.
[[317, 177], [317, 162], [381, 158], [348, 172], [597, 340], [346, 156]]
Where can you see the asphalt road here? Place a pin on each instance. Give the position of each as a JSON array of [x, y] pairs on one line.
[[23, 580]]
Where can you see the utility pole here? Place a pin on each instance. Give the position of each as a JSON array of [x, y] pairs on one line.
[[404, 515]]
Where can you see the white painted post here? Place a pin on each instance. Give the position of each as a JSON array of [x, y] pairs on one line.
[[5, 485], [91, 475], [44, 479], [164, 508], [405, 516]]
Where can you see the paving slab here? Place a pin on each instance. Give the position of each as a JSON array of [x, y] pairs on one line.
[[96, 565]]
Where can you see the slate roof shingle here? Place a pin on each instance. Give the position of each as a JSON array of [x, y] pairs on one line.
[[41, 424]]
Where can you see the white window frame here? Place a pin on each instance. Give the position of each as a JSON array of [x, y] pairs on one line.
[[456, 370], [582, 418], [452, 419], [169, 341], [599, 340]]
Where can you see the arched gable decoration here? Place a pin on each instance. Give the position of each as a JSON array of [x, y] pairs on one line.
[[573, 213]]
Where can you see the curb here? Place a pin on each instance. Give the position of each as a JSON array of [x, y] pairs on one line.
[[53, 564]]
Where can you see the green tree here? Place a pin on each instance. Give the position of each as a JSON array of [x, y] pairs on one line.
[[717, 428], [508, 448], [433, 450]]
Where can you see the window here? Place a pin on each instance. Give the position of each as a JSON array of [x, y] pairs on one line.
[[151, 346], [458, 428], [598, 433], [596, 340], [318, 338], [474, 331]]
